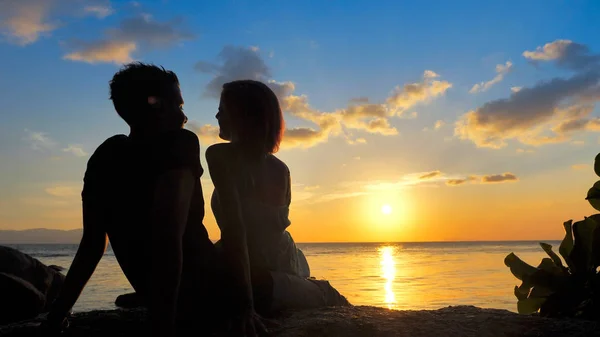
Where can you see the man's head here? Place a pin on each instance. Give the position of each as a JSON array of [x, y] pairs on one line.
[[148, 97]]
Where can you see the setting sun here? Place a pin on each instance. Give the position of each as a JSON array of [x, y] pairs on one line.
[[386, 209]]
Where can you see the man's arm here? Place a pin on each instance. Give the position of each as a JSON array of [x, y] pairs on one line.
[[91, 248], [172, 200]]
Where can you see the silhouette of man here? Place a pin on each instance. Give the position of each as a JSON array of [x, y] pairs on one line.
[[143, 192]]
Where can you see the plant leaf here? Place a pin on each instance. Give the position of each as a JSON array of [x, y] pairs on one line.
[[596, 242], [540, 292], [520, 295], [555, 258], [549, 266], [583, 236], [518, 267], [597, 165], [530, 305], [566, 246], [593, 196]]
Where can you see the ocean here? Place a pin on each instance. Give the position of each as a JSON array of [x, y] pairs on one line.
[[400, 276]]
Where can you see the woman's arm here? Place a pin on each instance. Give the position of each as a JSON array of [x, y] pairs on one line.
[[223, 169]]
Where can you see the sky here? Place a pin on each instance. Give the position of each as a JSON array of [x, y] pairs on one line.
[[406, 121]]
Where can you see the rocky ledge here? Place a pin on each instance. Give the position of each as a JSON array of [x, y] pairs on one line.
[[356, 321]]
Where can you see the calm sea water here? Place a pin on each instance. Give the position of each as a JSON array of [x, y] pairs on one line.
[[393, 275]]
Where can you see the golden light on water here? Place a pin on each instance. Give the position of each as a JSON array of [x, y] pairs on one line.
[[388, 272]]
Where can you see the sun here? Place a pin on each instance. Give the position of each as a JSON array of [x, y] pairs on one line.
[[386, 209]]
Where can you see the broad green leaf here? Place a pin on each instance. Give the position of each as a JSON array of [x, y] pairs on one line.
[[530, 305], [593, 196], [521, 295], [518, 267], [548, 249], [597, 165], [566, 246], [583, 236]]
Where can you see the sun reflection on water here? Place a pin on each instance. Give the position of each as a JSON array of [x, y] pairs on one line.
[[388, 269]]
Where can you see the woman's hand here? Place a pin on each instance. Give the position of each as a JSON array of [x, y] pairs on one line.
[[248, 324]]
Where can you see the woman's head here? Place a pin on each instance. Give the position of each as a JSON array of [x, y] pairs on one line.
[[249, 114]]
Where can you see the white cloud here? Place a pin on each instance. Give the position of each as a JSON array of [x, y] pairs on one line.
[[409, 95], [75, 150], [501, 71], [40, 140]]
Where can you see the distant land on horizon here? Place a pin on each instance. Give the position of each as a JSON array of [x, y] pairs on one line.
[[73, 236]]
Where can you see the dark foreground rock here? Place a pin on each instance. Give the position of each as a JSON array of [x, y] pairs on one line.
[[350, 322]]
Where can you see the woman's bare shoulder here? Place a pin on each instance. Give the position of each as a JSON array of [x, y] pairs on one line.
[[219, 151], [279, 165]]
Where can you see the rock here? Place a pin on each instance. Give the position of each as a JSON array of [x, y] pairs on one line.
[[359, 321], [27, 286]]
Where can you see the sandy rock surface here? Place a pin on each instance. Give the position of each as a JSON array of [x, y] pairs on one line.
[[357, 321]]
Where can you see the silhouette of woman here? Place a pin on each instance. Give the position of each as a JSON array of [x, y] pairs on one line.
[[251, 204]]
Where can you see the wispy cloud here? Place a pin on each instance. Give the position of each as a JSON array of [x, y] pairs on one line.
[[40, 141], [100, 10], [64, 190], [580, 166], [501, 71], [75, 150], [499, 178]]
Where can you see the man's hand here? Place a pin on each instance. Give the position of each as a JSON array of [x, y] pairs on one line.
[[53, 327], [249, 324]]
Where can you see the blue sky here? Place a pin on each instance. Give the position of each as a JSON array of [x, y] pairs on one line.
[[56, 61]]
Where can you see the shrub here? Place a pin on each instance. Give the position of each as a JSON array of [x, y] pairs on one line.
[[567, 287]]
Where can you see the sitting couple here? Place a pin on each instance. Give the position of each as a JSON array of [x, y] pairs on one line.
[[143, 192]]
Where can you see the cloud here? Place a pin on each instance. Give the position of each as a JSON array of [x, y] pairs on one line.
[[75, 150], [580, 166], [24, 21], [499, 178], [439, 124], [208, 134], [100, 11], [103, 52], [411, 94], [235, 63], [566, 54], [361, 100], [312, 188], [64, 191], [460, 181], [501, 70], [430, 175], [542, 114], [132, 34], [525, 151], [40, 141], [515, 89]]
